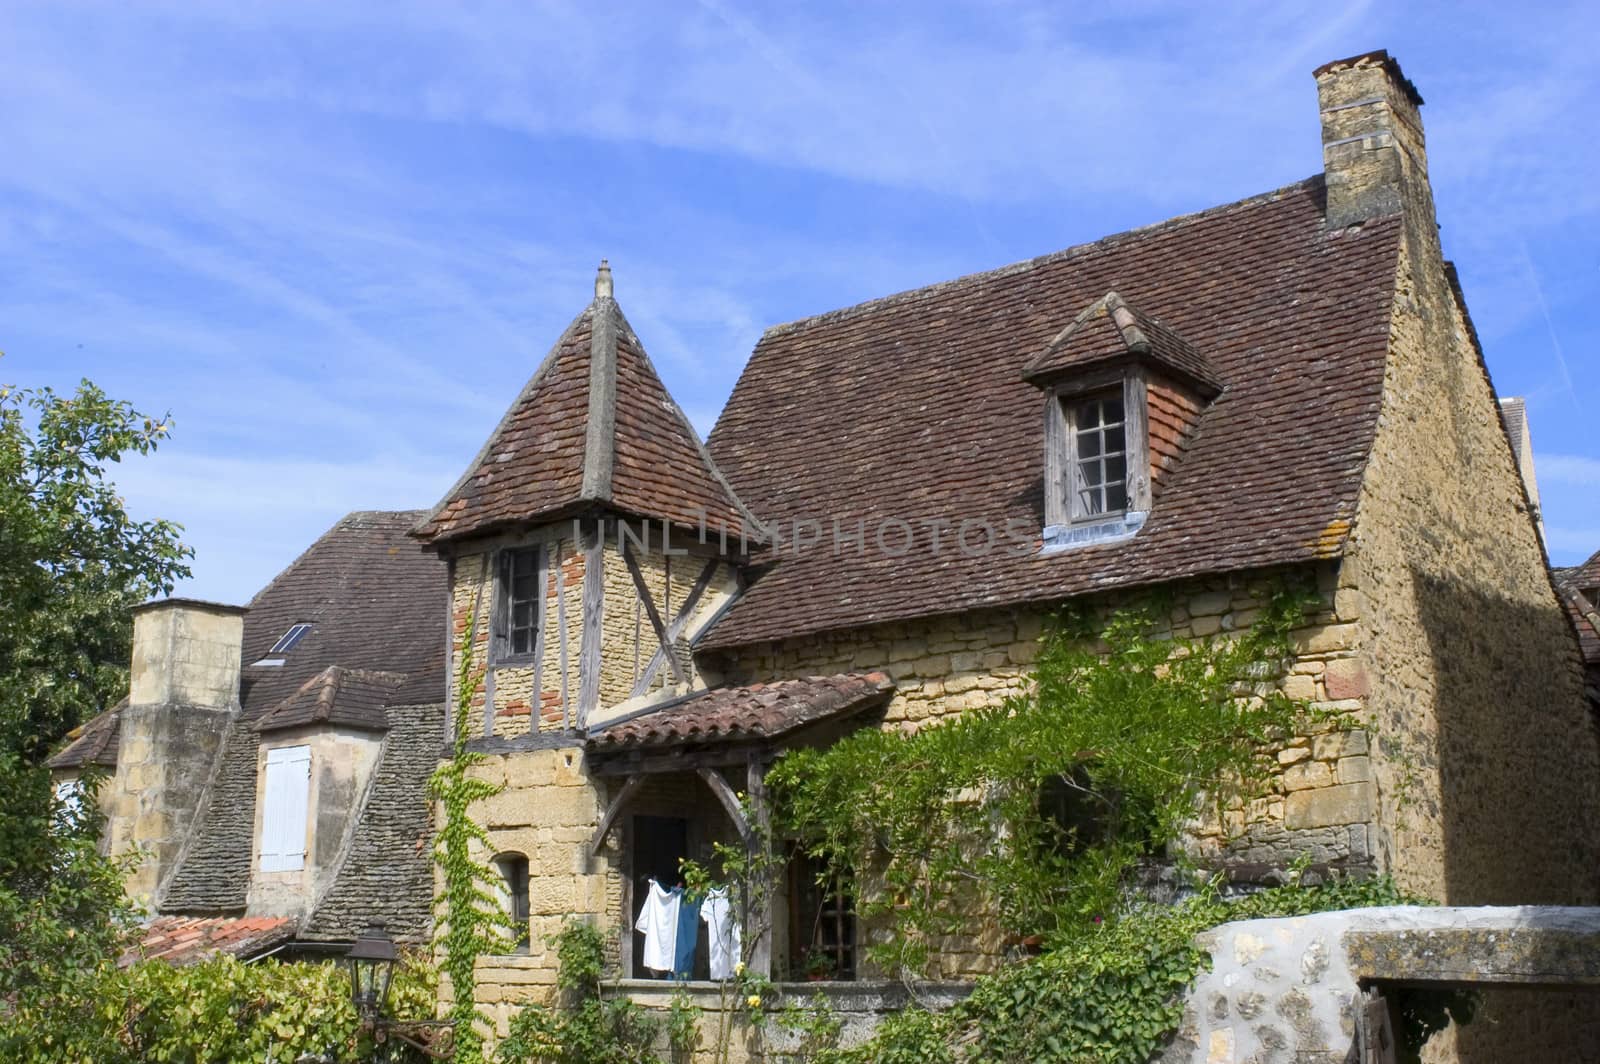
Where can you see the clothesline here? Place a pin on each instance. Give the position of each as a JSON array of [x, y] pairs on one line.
[[670, 922]]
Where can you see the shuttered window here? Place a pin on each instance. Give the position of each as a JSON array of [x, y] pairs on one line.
[[516, 612], [285, 794]]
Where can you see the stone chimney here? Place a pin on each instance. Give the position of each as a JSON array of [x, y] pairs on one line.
[[1514, 411], [183, 691], [1373, 155]]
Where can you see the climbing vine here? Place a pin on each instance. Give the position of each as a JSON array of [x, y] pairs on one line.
[[1046, 809], [469, 919]]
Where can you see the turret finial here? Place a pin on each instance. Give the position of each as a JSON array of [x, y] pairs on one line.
[[602, 281]]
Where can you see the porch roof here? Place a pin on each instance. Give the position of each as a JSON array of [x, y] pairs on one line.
[[753, 712]]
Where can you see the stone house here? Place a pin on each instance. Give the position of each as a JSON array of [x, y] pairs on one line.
[[269, 761], [898, 493], [896, 497]]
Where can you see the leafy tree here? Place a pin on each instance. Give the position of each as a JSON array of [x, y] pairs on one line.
[[72, 563]]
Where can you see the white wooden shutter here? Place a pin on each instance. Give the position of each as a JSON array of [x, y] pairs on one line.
[[284, 799]]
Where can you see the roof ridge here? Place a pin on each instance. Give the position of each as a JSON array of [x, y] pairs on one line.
[[1175, 222]]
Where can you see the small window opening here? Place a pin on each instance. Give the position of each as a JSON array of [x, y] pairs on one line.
[[822, 921], [1077, 813], [1099, 472], [513, 868], [287, 641], [520, 588]]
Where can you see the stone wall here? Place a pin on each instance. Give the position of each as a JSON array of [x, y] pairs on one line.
[[1485, 752], [1322, 801]]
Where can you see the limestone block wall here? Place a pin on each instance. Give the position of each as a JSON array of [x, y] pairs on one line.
[[1322, 800], [1484, 751], [547, 813]]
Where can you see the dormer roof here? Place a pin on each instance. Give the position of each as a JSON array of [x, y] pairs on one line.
[[593, 428], [337, 697], [1111, 332]]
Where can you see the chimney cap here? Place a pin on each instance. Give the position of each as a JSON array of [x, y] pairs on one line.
[[178, 601], [1380, 56], [602, 281]]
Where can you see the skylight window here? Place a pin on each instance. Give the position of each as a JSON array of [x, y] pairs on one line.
[[289, 639]]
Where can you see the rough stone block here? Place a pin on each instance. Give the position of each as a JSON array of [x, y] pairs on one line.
[[1210, 604], [1355, 769], [1326, 639], [1300, 687], [1349, 803], [1306, 775], [1293, 755], [1204, 626], [1345, 678]]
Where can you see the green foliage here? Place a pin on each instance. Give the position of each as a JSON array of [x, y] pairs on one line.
[[219, 1010], [814, 1028], [1136, 728], [72, 564], [1112, 995], [583, 1027], [683, 1026], [469, 919]]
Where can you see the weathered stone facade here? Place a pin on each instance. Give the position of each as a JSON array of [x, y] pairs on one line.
[[183, 691]]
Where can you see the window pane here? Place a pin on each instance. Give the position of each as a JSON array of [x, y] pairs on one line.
[[523, 587], [1115, 443], [1088, 444], [1089, 473], [522, 641], [1116, 498], [1086, 415], [522, 615], [1112, 409], [1116, 470]]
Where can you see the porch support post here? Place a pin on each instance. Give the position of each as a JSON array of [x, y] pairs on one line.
[[729, 800], [612, 812], [759, 924]]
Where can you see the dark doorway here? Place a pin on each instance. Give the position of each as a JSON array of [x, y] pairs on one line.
[[660, 843]]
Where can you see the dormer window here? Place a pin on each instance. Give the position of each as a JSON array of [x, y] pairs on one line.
[[1098, 464], [1123, 392]]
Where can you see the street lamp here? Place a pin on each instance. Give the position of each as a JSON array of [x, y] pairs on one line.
[[371, 961]]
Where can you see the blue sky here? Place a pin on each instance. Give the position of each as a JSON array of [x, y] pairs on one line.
[[334, 240]]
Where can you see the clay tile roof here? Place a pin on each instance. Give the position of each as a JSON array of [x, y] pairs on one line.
[[181, 940], [352, 698], [372, 596], [1571, 582], [913, 408], [1110, 331], [593, 427], [94, 742], [757, 711]]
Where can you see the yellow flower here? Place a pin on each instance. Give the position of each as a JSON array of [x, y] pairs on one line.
[[753, 1000], [738, 969]]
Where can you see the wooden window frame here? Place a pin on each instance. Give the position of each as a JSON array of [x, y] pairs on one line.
[[1061, 446], [502, 629]]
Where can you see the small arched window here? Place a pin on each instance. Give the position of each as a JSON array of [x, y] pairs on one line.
[[513, 869]]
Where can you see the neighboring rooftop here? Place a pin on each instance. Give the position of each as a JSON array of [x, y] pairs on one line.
[[1291, 316], [372, 658]]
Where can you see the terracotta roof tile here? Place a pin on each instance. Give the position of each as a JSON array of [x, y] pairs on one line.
[[756, 711], [95, 742], [914, 408], [181, 940], [593, 426]]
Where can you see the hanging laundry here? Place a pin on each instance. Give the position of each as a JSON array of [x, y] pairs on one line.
[[658, 919], [688, 935], [722, 932]]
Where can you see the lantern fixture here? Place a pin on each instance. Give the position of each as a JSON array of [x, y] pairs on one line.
[[372, 960]]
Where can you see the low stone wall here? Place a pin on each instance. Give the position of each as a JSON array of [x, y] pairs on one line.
[[1288, 989], [860, 1006]]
